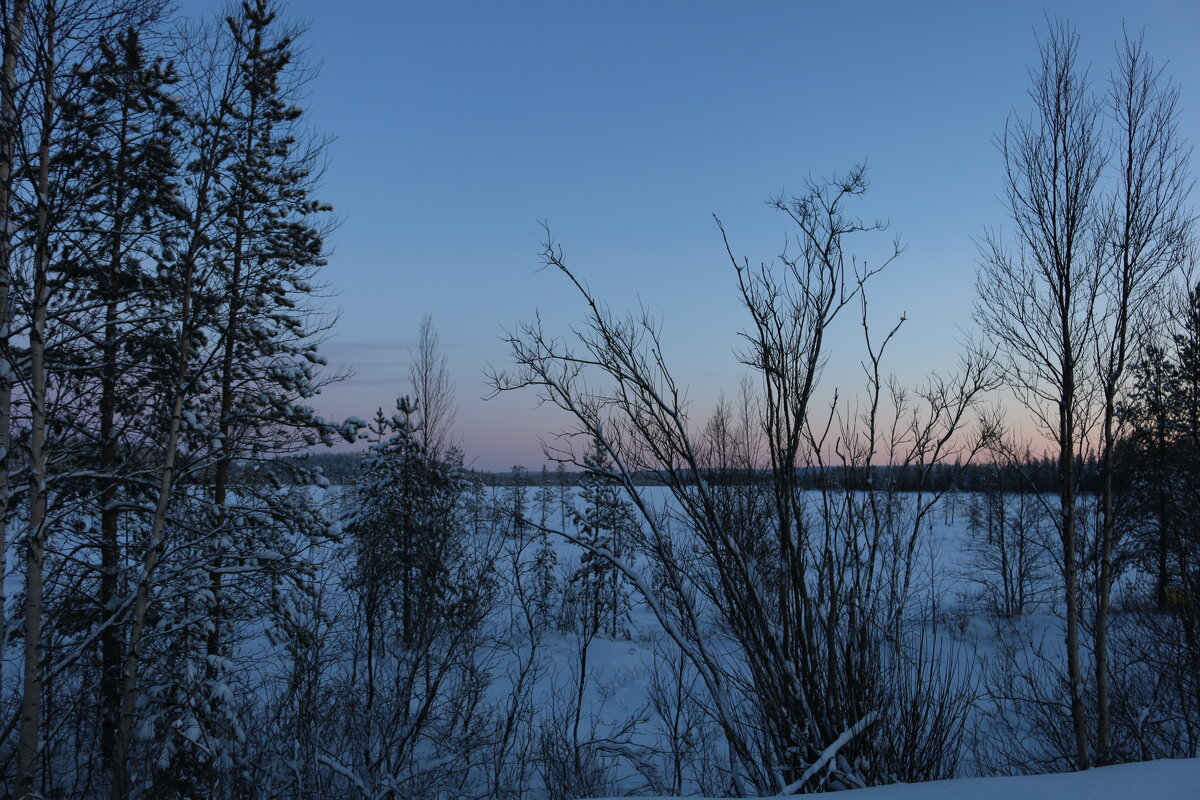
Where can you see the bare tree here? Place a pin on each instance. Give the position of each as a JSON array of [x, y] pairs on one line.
[[433, 391], [1069, 301], [1038, 298], [1146, 237], [792, 590], [1009, 548]]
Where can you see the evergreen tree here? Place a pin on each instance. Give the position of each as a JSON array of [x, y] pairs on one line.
[[123, 132], [245, 371], [1164, 480], [406, 527], [604, 521], [543, 498], [267, 342], [1153, 471], [516, 504]]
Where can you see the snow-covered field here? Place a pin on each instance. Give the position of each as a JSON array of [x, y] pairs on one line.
[[959, 582], [628, 697], [621, 712]]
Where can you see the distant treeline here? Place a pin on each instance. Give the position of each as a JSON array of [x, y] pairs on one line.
[[1037, 475]]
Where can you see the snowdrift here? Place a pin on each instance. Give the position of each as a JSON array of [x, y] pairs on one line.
[[1150, 780]]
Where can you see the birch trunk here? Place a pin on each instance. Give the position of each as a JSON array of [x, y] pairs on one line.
[[31, 692], [14, 29]]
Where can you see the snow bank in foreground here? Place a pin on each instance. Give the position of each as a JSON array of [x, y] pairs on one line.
[[1151, 780]]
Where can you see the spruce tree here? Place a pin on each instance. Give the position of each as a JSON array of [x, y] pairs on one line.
[[405, 525], [604, 521]]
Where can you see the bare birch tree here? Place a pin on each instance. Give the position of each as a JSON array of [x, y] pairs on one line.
[[14, 29], [1038, 298], [1068, 302], [1146, 237], [429, 379]]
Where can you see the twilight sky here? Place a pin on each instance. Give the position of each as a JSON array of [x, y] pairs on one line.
[[626, 126]]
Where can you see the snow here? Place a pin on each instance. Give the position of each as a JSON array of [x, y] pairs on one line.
[[1150, 780], [619, 678]]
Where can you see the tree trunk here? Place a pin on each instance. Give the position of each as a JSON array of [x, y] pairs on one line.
[[228, 362], [154, 548], [1108, 536], [155, 540], [1066, 466], [14, 29], [225, 460], [110, 544], [31, 696]]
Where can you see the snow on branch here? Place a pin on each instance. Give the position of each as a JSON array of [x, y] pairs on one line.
[[829, 753]]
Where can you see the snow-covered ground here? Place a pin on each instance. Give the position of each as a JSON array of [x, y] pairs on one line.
[[638, 710], [1151, 780], [955, 578]]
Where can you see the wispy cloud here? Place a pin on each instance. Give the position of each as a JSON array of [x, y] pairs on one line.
[[368, 345]]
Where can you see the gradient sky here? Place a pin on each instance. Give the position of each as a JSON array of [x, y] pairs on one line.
[[626, 126]]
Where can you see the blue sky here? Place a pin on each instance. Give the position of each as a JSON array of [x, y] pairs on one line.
[[626, 126]]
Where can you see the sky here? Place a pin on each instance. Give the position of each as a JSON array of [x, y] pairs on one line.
[[459, 128]]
